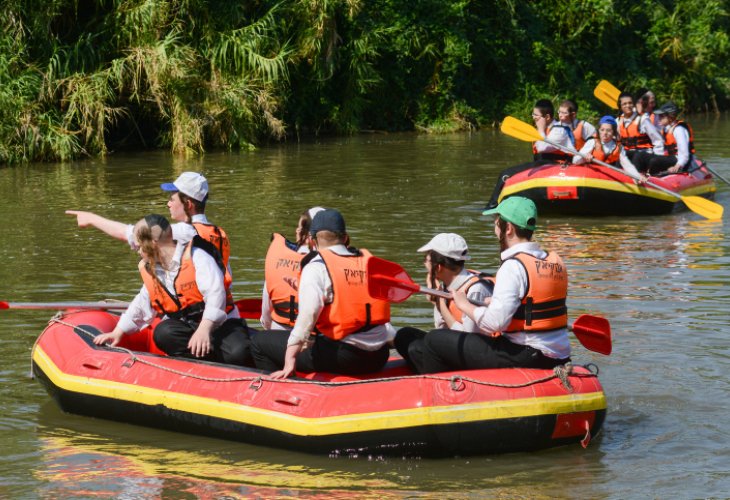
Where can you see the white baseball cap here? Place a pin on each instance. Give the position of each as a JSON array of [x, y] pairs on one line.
[[449, 245], [189, 183]]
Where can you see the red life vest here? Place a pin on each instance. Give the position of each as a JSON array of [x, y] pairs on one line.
[[281, 271], [477, 277], [219, 239], [187, 302], [352, 310], [631, 137], [670, 142], [600, 155], [543, 307]]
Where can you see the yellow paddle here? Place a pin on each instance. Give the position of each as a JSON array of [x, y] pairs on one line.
[[607, 94], [526, 132]]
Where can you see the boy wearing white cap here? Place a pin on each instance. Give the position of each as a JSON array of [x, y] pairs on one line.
[[445, 256], [528, 305]]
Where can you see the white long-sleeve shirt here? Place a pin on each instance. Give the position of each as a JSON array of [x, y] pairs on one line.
[[315, 290], [209, 279], [477, 292], [509, 289], [607, 147], [555, 133]]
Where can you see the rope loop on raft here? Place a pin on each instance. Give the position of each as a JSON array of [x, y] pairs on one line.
[[456, 382]]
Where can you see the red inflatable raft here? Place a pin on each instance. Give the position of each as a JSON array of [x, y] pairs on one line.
[[392, 412], [598, 190]]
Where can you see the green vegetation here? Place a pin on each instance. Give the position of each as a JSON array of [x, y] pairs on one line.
[[82, 77]]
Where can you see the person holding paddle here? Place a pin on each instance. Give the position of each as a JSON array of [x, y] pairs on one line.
[[605, 148], [445, 257], [639, 137], [528, 305], [183, 283], [352, 329], [543, 114]]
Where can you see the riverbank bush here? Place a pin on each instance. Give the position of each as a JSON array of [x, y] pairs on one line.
[[83, 77]]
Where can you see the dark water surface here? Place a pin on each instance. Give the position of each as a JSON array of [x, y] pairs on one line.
[[664, 283]]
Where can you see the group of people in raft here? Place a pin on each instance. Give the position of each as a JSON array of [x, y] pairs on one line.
[[642, 140], [317, 314]]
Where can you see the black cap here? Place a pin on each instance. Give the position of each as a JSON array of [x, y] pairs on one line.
[[328, 220], [668, 108]]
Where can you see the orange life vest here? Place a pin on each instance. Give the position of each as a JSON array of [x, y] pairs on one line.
[[477, 277], [219, 239], [557, 155], [578, 133], [187, 302], [352, 310], [281, 271], [670, 142], [543, 306], [600, 155], [631, 137]]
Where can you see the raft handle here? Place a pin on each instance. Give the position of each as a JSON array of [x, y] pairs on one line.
[[290, 401]]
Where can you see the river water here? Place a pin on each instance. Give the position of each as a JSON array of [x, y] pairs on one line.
[[662, 281]]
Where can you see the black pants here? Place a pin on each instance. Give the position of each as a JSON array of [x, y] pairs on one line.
[[506, 174], [661, 164], [448, 350], [230, 342], [325, 355], [409, 344], [641, 158]]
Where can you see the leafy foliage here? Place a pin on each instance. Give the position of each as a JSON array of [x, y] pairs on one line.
[[83, 77]]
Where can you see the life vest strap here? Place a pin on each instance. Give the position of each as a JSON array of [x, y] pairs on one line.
[[191, 314], [531, 311]]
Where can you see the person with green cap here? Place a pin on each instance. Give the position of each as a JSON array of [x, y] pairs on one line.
[[528, 305]]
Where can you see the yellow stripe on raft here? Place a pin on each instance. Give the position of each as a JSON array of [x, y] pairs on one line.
[[321, 426], [606, 185]]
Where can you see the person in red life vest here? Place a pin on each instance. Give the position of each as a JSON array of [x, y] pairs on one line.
[[543, 114], [182, 284], [527, 306], [281, 274], [445, 257], [605, 148], [352, 329], [580, 130], [678, 142], [639, 137]]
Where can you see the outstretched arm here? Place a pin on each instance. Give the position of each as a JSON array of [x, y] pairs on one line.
[[114, 229]]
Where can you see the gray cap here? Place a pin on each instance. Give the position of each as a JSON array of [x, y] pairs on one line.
[[668, 108]]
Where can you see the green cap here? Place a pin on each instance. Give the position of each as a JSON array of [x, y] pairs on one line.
[[518, 210]]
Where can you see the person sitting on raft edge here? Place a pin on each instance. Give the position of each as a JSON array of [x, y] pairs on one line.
[[444, 260], [353, 330], [183, 283], [528, 305], [280, 295], [543, 114]]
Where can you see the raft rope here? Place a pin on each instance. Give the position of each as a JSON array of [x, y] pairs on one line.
[[561, 372]]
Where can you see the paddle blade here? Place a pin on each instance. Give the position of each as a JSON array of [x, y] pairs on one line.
[[249, 308], [607, 94], [520, 130], [389, 281], [704, 207], [594, 333]]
